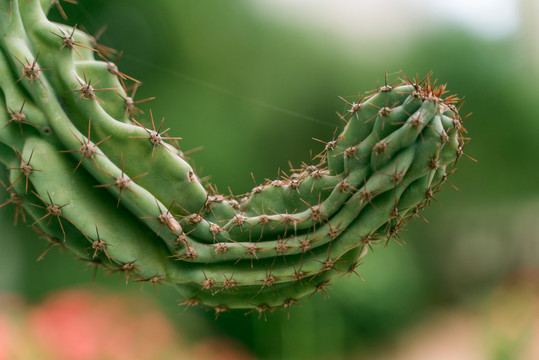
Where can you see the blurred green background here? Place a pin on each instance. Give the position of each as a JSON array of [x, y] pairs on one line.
[[253, 82]]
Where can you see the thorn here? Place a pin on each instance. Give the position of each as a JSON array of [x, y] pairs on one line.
[[31, 71], [189, 302], [166, 218], [130, 104], [87, 89], [68, 41], [87, 149], [261, 309], [25, 168], [154, 280], [98, 246], [128, 268], [51, 240], [156, 135], [17, 200], [18, 117], [59, 6], [102, 50], [220, 309], [122, 182], [52, 210]]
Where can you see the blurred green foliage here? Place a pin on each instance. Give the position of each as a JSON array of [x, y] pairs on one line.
[[254, 92]]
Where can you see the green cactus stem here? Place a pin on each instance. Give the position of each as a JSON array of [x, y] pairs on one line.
[[122, 196]]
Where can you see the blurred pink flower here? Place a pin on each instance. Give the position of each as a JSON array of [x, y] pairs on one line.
[[84, 325], [96, 325], [4, 338], [11, 306]]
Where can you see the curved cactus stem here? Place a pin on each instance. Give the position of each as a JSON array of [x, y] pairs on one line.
[[102, 179]]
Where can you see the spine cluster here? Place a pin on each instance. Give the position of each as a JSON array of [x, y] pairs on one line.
[[121, 195]]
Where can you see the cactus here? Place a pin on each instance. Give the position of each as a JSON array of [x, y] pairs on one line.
[[122, 196]]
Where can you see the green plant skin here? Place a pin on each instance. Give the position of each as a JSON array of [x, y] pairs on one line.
[[119, 195]]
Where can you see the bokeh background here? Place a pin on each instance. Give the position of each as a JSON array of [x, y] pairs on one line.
[[253, 82]]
